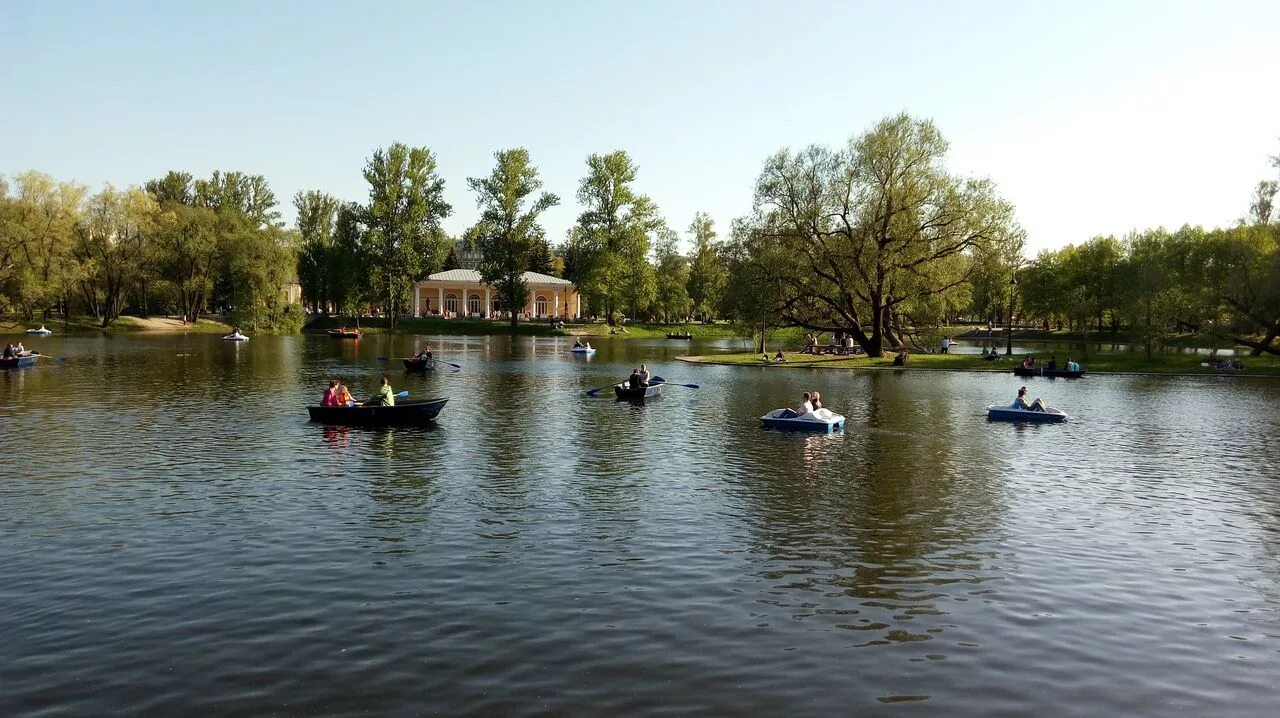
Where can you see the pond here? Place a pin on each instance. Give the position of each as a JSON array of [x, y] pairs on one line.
[[176, 538]]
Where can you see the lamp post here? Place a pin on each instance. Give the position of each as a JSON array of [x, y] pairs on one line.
[[1008, 339]]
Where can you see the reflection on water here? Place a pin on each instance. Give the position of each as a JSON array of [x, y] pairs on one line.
[[178, 538]]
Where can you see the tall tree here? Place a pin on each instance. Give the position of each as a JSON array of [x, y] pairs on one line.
[[707, 272], [671, 298], [115, 246], [316, 215], [1263, 202], [871, 228], [404, 239], [508, 231], [614, 233]]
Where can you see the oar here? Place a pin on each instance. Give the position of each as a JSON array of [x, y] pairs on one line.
[[46, 356], [593, 393], [402, 394]]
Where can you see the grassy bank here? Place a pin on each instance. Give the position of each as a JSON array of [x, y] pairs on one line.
[[480, 327], [978, 335], [93, 325], [1104, 363]]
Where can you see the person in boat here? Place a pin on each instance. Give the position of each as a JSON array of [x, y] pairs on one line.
[[634, 381], [577, 343], [1026, 362], [806, 406], [1072, 365], [645, 376], [901, 358], [8, 350], [816, 400], [1021, 402], [331, 394], [779, 356], [384, 396], [344, 396], [425, 354], [1053, 363], [19, 350]]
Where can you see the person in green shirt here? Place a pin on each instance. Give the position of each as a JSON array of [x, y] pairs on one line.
[[383, 396]]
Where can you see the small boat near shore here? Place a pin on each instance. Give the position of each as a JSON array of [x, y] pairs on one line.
[[407, 412], [235, 337], [41, 331], [823, 420], [344, 333], [1013, 413], [18, 362], [582, 350], [625, 393], [1047, 373], [686, 335]]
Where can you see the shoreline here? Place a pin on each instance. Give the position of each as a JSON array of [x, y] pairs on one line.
[[840, 364]]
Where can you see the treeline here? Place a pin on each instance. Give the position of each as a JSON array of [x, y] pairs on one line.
[[177, 245], [1158, 284]]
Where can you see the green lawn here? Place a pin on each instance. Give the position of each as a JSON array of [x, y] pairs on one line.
[[93, 325], [1100, 363]]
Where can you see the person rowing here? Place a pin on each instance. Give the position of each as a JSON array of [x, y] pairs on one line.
[[425, 354], [1021, 402], [384, 396]]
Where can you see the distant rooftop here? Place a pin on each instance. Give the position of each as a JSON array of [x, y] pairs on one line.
[[471, 276]]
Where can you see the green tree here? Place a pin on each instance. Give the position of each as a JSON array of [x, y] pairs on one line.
[[871, 229], [671, 298], [348, 278], [612, 243], [508, 231], [37, 267], [707, 272], [316, 215], [115, 246], [404, 241]]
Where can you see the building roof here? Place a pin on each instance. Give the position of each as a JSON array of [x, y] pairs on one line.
[[471, 276]]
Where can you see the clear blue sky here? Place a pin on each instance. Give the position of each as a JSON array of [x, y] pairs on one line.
[[1092, 117]]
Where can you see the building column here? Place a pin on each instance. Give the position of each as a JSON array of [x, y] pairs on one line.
[[488, 304], [556, 311], [417, 300], [440, 306], [579, 306]]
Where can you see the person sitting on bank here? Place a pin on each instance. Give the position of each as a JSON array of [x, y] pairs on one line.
[[1021, 402], [384, 396], [848, 343], [805, 407], [331, 394], [831, 345], [901, 358], [779, 356], [810, 344]]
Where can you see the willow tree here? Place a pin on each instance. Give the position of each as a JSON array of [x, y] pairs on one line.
[[508, 233], [404, 240], [611, 245], [871, 228]]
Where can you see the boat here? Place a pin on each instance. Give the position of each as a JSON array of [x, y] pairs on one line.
[[823, 420], [408, 411], [41, 331], [582, 350], [416, 364], [1013, 413], [1048, 373], [654, 390], [686, 335], [16, 362], [235, 337], [344, 333]]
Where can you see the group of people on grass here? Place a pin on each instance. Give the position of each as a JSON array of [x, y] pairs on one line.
[[838, 343], [338, 395], [15, 350]]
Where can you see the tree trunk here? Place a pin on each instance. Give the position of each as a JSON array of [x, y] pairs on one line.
[[875, 346], [1265, 344]]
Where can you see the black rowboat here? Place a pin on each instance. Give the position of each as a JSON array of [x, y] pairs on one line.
[[416, 364], [15, 362], [340, 334], [686, 335], [1050, 373], [624, 392], [408, 411]]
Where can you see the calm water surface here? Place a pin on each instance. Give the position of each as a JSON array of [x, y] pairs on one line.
[[177, 539]]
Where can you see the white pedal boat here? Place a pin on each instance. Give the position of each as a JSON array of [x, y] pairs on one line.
[[41, 331], [235, 338], [823, 420], [582, 350], [1013, 413]]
